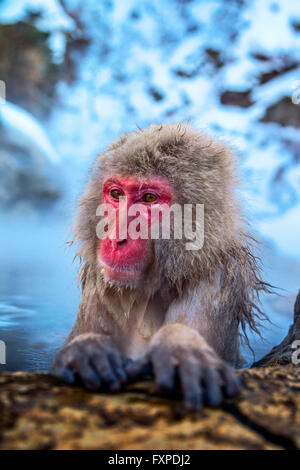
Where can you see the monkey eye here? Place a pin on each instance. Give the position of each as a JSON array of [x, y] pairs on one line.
[[149, 197], [116, 193]]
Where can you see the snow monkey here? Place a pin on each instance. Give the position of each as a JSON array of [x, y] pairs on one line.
[[150, 305]]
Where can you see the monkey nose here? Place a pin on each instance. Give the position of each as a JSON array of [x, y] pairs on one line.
[[121, 242]]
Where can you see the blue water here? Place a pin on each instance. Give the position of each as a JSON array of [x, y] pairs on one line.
[[39, 293]]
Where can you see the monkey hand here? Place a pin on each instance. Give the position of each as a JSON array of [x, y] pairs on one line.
[[182, 360], [93, 360]]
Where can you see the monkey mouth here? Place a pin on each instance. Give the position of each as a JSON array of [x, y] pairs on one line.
[[120, 273]]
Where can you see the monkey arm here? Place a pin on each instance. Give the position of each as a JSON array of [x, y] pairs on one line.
[[210, 309], [182, 360], [90, 353], [192, 349]]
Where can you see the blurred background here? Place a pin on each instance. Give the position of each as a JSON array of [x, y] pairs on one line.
[[77, 74]]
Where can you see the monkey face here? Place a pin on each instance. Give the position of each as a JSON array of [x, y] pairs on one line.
[[189, 168], [125, 252]]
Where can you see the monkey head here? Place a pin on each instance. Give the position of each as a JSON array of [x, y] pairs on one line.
[[161, 165]]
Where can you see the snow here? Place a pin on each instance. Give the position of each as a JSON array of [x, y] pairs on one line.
[[145, 51], [12, 11], [27, 128]]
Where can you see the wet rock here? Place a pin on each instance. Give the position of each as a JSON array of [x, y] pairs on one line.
[[37, 412], [283, 353]]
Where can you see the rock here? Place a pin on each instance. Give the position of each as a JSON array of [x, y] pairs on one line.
[[277, 65], [237, 98], [215, 57], [207, 63], [32, 75], [284, 112], [277, 72], [282, 354], [296, 26], [261, 57], [156, 94], [185, 73], [37, 412]]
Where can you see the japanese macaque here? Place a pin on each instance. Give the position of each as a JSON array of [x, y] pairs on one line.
[[152, 306]]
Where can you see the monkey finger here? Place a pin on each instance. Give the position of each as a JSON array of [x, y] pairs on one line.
[[137, 370], [232, 384], [165, 374], [64, 373], [104, 370], [88, 376], [126, 361], [189, 373], [116, 362], [212, 386]]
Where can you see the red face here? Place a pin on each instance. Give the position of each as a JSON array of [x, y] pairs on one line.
[[125, 258]]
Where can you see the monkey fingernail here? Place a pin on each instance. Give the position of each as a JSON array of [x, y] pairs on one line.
[[114, 387], [93, 386], [235, 389], [121, 375], [127, 361], [65, 374], [193, 403]]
